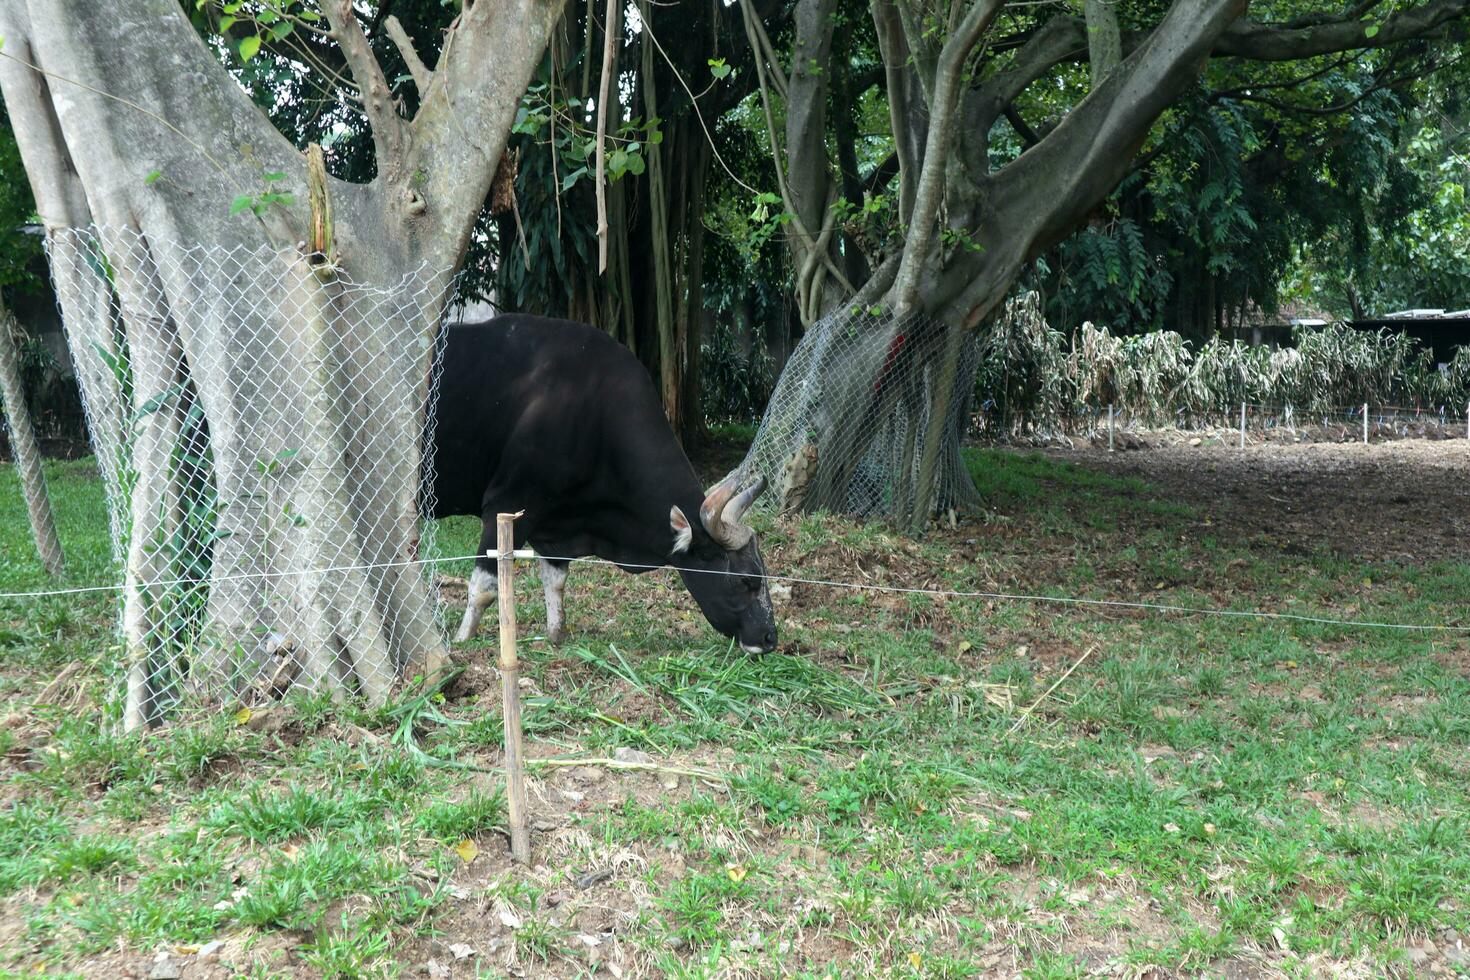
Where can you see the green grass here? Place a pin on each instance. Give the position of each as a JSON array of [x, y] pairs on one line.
[[1200, 791]]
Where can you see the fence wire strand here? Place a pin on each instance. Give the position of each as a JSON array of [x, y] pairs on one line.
[[528, 554]]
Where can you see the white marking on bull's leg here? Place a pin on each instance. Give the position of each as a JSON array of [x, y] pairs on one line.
[[553, 582], [482, 592]]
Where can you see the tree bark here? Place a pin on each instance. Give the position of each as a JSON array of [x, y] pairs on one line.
[[26, 451], [1104, 42]]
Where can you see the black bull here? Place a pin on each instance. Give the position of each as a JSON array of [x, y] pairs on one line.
[[560, 421]]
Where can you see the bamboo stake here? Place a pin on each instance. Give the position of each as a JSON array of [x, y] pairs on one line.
[[510, 690], [1110, 426], [1365, 423], [1242, 425]]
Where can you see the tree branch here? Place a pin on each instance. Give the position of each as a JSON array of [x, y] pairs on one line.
[[60, 198], [1027, 134], [1379, 85], [1062, 38], [1104, 40], [389, 130], [611, 32], [1038, 199], [881, 174], [1263, 42], [909, 124], [930, 193], [1286, 83], [456, 140], [422, 76]]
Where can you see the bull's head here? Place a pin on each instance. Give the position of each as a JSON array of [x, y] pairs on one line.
[[725, 573]]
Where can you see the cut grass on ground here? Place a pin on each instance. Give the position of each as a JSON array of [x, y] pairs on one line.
[[1203, 795]]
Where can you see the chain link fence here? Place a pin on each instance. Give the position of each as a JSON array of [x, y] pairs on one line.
[[260, 425], [867, 416]]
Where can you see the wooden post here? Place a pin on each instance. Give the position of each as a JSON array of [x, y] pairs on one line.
[[1242, 425], [1467, 421], [510, 690], [1110, 426], [1365, 423]]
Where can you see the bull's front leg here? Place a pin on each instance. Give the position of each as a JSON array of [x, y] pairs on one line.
[[553, 584], [482, 592]]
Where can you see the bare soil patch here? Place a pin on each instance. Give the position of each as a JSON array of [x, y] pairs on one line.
[[1404, 501]]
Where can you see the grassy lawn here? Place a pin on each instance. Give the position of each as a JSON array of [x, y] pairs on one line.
[[905, 789]]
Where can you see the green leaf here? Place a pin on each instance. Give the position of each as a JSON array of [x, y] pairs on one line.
[[249, 47], [282, 29], [153, 176], [274, 175], [225, 23], [158, 401], [241, 203], [571, 178], [1370, 31], [718, 68]]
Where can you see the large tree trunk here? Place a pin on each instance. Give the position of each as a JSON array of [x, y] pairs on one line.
[[24, 448], [259, 408]]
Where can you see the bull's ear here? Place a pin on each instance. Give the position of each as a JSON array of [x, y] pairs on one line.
[[683, 534]]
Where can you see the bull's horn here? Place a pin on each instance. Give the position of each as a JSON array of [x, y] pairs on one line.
[[713, 506], [736, 508]]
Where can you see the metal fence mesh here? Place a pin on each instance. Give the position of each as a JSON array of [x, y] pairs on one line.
[[846, 425], [260, 424]]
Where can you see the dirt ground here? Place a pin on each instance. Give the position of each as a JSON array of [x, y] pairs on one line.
[[1407, 500]]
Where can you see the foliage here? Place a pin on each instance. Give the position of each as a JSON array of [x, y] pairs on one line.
[[18, 250], [551, 239], [734, 383], [1418, 261], [1108, 274], [1241, 204], [1034, 378]]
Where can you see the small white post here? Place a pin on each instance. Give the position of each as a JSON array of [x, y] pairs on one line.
[[1110, 426], [1365, 423], [1242, 425], [1467, 421]]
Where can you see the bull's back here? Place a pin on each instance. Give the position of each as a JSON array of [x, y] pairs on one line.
[[525, 386]]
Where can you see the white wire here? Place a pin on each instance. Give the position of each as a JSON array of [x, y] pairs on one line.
[[796, 580]]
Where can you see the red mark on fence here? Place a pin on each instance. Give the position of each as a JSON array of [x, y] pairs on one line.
[[893, 350]]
